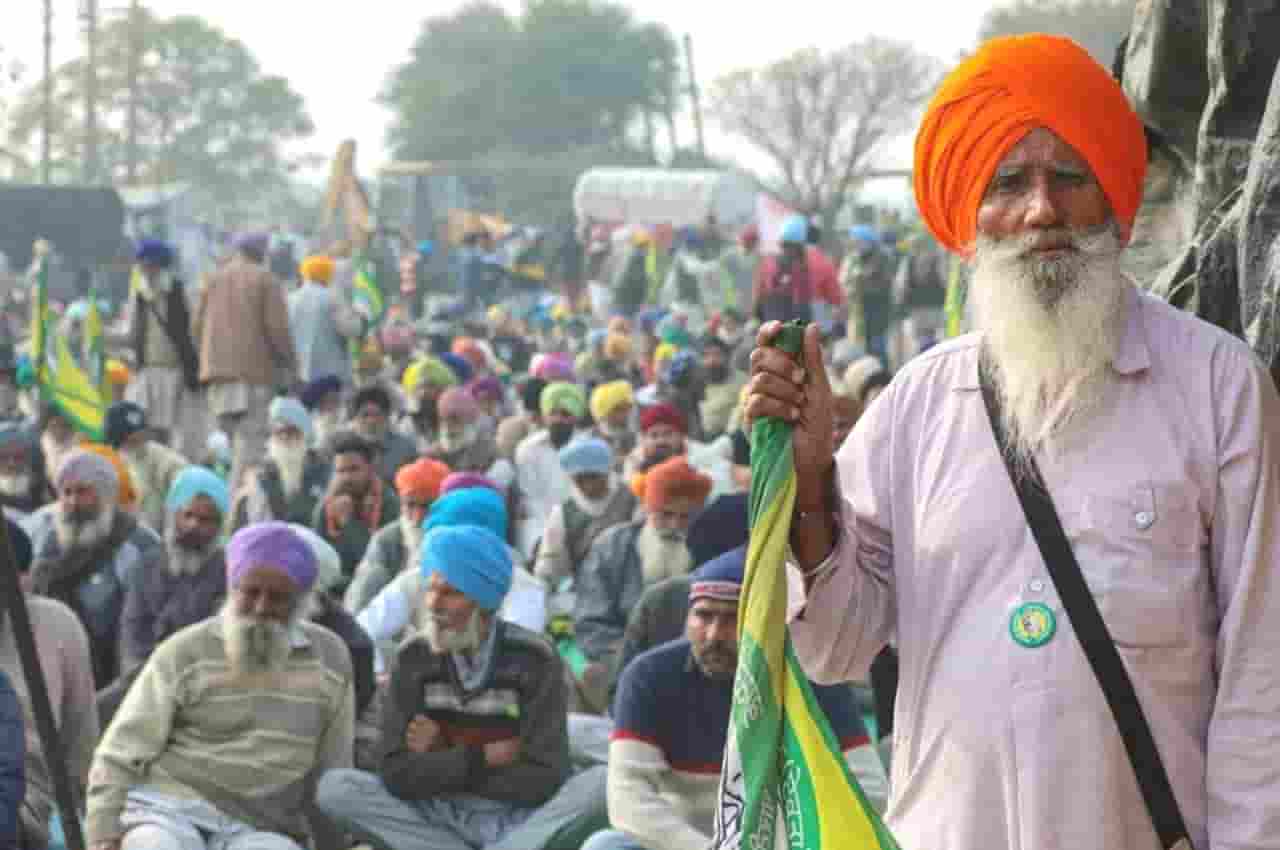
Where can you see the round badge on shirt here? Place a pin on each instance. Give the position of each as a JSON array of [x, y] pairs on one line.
[[1033, 625]]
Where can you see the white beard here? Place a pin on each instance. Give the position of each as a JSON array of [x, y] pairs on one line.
[[1051, 328], [661, 558], [412, 536], [452, 441], [291, 462], [443, 639], [594, 509], [15, 486], [254, 646], [181, 560], [84, 534]]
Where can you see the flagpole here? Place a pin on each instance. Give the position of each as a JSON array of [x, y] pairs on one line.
[[20, 625]]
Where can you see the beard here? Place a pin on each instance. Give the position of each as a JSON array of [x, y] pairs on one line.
[[412, 535], [253, 644], [452, 441], [594, 508], [559, 433], [1051, 327], [186, 555], [717, 659], [15, 485], [662, 556], [373, 433], [444, 639], [80, 530], [290, 459]]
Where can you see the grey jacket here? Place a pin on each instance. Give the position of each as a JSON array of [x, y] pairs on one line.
[[321, 325], [383, 561], [610, 583]]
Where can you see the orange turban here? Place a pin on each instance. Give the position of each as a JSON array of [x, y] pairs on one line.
[[674, 479], [421, 479], [1010, 87], [318, 269]]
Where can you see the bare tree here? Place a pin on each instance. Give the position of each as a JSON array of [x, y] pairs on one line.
[[823, 117]]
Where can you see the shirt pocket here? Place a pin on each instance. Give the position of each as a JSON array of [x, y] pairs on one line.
[[1141, 554]]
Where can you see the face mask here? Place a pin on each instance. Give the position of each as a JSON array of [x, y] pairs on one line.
[[560, 433]]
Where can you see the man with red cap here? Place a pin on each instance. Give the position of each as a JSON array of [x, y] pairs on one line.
[[1155, 438], [664, 433]]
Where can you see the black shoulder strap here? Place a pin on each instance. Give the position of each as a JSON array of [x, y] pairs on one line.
[[1091, 630]]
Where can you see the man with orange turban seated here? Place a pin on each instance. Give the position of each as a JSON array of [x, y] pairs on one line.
[[627, 558], [1154, 436], [322, 321]]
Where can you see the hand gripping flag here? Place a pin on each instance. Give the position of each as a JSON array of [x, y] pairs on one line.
[[784, 784]]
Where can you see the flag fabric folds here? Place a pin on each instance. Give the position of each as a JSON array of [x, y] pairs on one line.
[[784, 783], [73, 382], [366, 299]]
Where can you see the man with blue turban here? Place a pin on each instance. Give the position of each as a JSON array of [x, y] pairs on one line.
[[166, 381], [190, 585], [475, 744]]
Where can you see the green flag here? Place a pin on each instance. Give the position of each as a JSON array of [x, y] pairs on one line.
[[784, 782]]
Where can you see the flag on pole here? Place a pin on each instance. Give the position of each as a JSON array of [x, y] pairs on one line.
[[74, 385], [366, 299], [784, 784]]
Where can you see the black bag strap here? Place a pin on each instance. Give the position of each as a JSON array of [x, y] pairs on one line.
[[1090, 629]]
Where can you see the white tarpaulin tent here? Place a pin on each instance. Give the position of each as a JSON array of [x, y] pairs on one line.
[[653, 196]]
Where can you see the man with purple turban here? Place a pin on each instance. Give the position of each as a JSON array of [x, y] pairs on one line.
[[230, 719], [246, 348], [463, 443], [87, 548]]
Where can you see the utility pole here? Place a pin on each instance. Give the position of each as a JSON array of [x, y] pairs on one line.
[[695, 95], [91, 92], [46, 107], [135, 60]]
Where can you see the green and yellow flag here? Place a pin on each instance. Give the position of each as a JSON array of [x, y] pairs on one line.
[[784, 784], [366, 299], [74, 383]]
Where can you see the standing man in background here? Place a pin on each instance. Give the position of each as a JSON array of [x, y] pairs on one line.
[[246, 349]]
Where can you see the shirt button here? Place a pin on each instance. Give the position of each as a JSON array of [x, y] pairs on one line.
[[1036, 586], [1144, 520]]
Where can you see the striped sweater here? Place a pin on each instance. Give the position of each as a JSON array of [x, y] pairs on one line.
[[247, 745]]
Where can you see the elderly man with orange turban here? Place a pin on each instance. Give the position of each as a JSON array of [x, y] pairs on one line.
[[322, 321], [1146, 445], [395, 546], [626, 559]]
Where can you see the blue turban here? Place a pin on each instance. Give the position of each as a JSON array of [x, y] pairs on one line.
[[478, 506], [426, 247], [154, 252], [459, 366], [315, 391], [591, 455], [197, 481], [472, 560], [864, 233], [271, 545], [289, 411], [721, 578]]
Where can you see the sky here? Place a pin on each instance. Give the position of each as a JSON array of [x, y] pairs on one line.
[[336, 55]]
